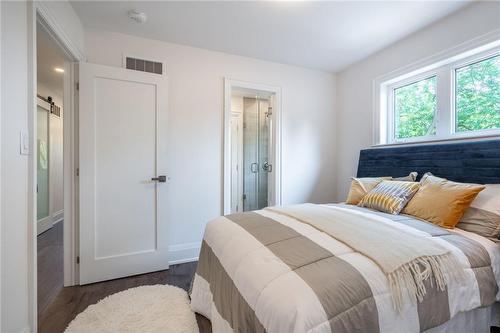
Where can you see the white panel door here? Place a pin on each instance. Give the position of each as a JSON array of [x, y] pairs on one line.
[[123, 140]]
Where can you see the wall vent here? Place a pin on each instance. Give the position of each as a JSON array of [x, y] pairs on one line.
[[144, 65]]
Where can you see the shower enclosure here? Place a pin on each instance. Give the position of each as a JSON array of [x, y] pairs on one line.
[[256, 166], [252, 146]]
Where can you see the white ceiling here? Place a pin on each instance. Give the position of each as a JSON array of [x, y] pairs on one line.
[[49, 56], [321, 35]]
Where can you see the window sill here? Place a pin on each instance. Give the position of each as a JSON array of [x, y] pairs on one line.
[[475, 137]]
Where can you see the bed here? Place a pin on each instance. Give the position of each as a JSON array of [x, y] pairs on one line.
[[272, 271]]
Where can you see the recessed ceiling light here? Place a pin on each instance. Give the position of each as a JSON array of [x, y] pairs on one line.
[[59, 70]]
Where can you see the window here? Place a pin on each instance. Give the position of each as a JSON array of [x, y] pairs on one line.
[[477, 95], [415, 109], [456, 97]]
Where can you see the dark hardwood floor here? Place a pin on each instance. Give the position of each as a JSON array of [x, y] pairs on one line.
[[50, 265], [73, 300], [58, 306]]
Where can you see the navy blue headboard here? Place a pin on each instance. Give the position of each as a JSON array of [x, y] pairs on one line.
[[468, 162]]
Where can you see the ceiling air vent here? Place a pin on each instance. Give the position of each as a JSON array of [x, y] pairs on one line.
[[144, 65]]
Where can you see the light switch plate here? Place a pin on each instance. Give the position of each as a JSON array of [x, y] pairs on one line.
[[24, 143]]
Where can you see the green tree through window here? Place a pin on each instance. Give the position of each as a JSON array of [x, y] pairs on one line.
[[415, 109], [477, 95]]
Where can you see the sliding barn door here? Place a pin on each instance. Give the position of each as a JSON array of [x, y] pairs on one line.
[[122, 133]]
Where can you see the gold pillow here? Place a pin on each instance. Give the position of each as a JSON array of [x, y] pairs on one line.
[[361, 186], [441, 201]]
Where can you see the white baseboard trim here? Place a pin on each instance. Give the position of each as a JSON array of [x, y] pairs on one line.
[[182, 253], [58, 216], [182, 261]]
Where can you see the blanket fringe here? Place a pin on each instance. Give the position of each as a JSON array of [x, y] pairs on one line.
[[440, 270]]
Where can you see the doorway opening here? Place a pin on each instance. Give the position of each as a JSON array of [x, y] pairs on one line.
[[252, 142], [51, 61], [53, 162], [84, 255]]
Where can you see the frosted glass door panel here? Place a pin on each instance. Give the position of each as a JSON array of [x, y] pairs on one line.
[[42, 163]]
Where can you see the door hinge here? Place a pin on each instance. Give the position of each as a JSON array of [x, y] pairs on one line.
[[77, 172], [77, 259], [77, 85]]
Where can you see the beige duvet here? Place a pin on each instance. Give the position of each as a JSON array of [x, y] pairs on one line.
[[266, 272]]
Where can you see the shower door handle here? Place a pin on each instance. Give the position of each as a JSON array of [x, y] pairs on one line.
[[267, 167], [254, 167]]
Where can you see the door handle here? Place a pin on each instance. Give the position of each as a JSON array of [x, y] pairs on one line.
[[159, 179], [254, 168], [267, 167]]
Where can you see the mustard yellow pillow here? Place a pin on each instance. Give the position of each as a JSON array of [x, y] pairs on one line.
[[441, 201], [390, 196], [361, 186]]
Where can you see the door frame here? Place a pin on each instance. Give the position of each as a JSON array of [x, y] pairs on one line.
[[40, 12], [229, 86], [238, 118]]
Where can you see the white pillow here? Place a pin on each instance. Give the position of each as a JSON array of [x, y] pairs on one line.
[[483, 215]]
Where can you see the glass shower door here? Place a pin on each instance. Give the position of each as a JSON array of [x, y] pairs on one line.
[[42, 163], [263, 149], [255, 153]]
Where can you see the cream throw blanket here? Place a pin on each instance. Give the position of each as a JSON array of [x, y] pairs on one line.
[[407, 257]]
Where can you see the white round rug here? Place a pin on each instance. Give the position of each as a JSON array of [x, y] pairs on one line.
[[158, 308]]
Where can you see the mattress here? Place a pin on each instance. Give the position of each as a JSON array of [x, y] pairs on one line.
[[266, 272]]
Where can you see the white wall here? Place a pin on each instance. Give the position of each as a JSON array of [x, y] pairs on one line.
[[195, 127], [14, 218], [355, 84], [15, 279]]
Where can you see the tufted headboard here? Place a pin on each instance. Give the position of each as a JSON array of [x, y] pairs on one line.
[[468, 162]]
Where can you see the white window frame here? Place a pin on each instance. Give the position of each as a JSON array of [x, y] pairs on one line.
[[391, 112], [466, 62], [444, 67]]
